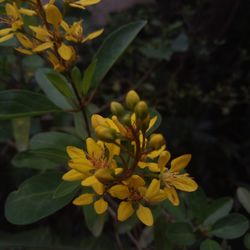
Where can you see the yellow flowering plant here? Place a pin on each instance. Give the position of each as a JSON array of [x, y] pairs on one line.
[[115, 166]]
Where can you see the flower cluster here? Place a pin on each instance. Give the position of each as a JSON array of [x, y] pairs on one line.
[[127, 167], [50, 36]]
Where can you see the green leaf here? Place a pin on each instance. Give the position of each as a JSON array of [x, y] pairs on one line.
[[94, 222], [162, 240], [47, 150], [76, 77], [196, 202], [244, 197], [181, 234], [51, 92], [88, 77], [80, 125], [34, 199], [65, 188], [113, 47], [60, 83], [247, 241], [210, 245], [57, 140], [179, 212], [21, 131], [20, 103], [45, 158], [218, 209], [230, 227]]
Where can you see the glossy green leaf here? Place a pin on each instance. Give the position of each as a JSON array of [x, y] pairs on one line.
[[247, 241], [88, 77], [244, 197], [53, 139], [51, 92], [181, 234], [113, 47], [60, 83], [76, 77], [20, 103], [45, 158], [94, 222], [210, 245], [66, 187], [34, 199], [217, 209], [230, 227]]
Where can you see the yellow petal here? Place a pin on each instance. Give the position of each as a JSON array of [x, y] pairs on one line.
[[144, 214], [43, 46], [152, 122], [151, 165], [66, 52], [84, 199], [163, 159], [156, 153], [73, 175], [125, 210], [172, 195], [24, 40], [93, 182], [101, 206], [75, 152], [119, 191], [6, 38], [94, 149], [93, 35], [5, 31], [152, 190], [53, 15], [135, 181], [180, 162], [24, 51], [184, 182], [81, 165]]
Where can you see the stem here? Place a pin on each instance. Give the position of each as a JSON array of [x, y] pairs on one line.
[[82, 107]]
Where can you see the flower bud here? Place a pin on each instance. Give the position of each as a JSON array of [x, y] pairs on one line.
[[105, 134], [116, 108], [104, 175], [141, 110], [126, 119], [132, 98], [156, 141]]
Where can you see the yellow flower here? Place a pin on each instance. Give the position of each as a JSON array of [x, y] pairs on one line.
[[172, 178], [96, 165], [81, 4], [74, 33], [13, 19], [133, 193]]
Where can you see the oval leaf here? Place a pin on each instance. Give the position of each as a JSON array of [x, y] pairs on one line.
[[51, 92], [218, 209], [20, 103], [244, 197], [113, 47], [181, 233], [230, 227], [65, 188], [210, 245], [34, 199]]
